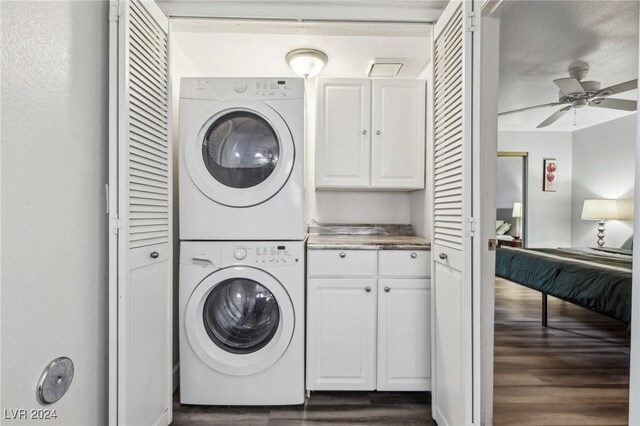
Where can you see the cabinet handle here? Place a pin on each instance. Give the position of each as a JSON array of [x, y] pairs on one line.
[[442, 256], [414, 255], [378, 133], [343, 255], [387, 289], [154, 255], [367, 289], [364, 132]]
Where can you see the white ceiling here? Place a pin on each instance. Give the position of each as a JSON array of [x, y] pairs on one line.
[[258, 48], [337, 10], [541, 40]]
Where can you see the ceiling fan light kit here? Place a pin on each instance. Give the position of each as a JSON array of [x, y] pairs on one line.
[[576, 93]]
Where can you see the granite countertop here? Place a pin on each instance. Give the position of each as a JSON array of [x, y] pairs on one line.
[[365, 237]]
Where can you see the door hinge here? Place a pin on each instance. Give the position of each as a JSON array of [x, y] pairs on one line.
[[114, 10], [472, 22], [114, 224], [471, 227]]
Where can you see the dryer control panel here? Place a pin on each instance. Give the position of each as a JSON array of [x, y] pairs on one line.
[[242, 88], [278, 89]]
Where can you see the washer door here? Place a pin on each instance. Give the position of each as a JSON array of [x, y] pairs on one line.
[[242, 154], [239, 320]]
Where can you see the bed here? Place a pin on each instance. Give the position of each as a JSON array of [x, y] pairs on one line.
[[598, 279]]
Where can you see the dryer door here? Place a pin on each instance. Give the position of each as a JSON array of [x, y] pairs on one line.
[[240, 152], [239, 320]]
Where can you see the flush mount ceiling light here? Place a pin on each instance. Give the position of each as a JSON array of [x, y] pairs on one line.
[[306, 63]]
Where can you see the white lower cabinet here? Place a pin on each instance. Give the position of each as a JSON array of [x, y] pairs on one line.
[[341, 334], [370, 331], [404, 334]]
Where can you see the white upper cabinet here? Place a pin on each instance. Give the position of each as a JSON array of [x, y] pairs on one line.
[[370, 141], [397, 141], [343, 148]]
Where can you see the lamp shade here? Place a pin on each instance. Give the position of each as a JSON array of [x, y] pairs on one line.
[[600, 209], [517, 210], [306, 63]]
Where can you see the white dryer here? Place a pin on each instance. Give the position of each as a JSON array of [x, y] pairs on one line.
[[241, 307], [241, 159]]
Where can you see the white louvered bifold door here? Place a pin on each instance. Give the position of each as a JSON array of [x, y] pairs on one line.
[[452, 229], [140, 212]]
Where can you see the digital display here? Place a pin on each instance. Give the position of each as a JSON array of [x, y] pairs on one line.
[[281, 247], [282, 82]]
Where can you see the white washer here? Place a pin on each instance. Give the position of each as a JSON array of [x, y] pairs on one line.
[[241, 159], [241, 307]]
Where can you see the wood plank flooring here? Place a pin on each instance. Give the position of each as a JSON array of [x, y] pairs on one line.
[[575, 372], [322, 409]]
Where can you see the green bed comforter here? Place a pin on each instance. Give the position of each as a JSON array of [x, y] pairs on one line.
[[591, 278]]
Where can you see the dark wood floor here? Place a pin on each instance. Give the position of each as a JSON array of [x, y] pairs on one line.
[[322, 409], [575, 372]]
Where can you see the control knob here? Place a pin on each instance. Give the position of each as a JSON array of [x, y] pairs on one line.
[[240, 253], [240, 86]]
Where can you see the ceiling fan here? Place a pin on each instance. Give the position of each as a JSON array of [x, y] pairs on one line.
[[576, 93]]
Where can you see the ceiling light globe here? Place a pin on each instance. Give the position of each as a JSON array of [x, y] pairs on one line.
[[306, 63]]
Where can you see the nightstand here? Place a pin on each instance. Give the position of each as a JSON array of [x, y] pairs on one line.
[[510, 243]]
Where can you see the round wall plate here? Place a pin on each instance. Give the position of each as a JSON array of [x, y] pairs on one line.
[[55, 380]]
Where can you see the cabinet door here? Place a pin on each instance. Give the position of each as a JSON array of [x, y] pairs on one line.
[[404, 334], [398, 139], [341, 334], [343, 145]]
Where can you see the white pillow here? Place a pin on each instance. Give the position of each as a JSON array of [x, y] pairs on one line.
[[502, 229]]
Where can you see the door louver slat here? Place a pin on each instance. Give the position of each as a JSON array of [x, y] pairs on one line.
[[148, 138], [447, 199]]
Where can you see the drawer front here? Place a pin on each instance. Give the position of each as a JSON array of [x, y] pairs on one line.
[[405, 263], [342, 263]]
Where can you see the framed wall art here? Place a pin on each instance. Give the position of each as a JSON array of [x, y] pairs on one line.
[[550, 175]]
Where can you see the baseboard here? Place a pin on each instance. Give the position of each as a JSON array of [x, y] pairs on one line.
[[176, 376]]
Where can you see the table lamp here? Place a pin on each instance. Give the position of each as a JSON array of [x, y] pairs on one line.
[[517, 214], [600, 210]]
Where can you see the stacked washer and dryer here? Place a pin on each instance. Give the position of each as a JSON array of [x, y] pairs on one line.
[[241, 295]]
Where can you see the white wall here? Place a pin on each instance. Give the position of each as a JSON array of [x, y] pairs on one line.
[[548, 213], [603, 167], [54, 229]]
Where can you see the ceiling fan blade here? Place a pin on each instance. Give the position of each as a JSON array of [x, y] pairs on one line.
[[555, 116], [569, 86], [621, 104], [618, 88], [531, 107]]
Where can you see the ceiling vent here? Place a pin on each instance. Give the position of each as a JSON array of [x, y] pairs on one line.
[[385, 67]]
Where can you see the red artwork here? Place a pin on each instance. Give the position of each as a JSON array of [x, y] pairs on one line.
[[550, 175]]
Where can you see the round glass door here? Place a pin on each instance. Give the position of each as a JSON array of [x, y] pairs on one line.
[[239, 320], [241, 315], [240, 150]]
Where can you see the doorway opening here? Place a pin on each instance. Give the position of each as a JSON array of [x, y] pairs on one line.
[[562, 346]]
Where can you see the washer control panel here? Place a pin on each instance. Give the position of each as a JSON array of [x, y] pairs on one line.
[[266, 254]]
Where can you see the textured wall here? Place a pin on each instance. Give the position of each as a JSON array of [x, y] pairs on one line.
[[54, 111]]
